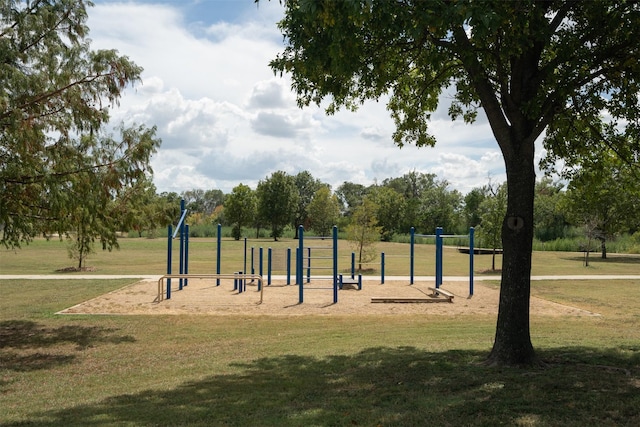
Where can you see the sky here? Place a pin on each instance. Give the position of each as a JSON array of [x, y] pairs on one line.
[[224, 117]]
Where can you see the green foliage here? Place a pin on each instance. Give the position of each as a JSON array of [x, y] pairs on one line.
[[492, 211], [350, 196], [307, 187], [203, 202], [324, 211], [363, 232], [240, 208], [531, 66], [472, 202], [391, 210], [549, 215], [604, 196], [54, 92], [278, 198]]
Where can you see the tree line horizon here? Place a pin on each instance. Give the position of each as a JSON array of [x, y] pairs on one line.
[[415, 199]]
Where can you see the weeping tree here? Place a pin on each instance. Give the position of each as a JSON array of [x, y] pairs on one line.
[[531, 65], [54, 97]]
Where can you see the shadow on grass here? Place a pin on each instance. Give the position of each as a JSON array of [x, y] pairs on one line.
[[596, 258], [22, 343], [387, 387]]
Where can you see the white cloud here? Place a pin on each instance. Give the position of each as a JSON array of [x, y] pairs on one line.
[[225, 119], [271, 94]]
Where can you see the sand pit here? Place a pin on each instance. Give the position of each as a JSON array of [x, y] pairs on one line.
[[203, 297]]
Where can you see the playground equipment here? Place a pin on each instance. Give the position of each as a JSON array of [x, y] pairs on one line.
[[300, 262], [183, 229], [235, 276], [305, 254], [277, 260], [439, 238]]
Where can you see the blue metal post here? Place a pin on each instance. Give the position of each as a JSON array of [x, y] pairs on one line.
[[297, 266], [269, 255], [181, 259], [438, 256], [382, 268], [335, 264], [411, 253], [288, 266], [260, 253], [186, 252], [244, 269], [471, 254], [252, 260], [219, 245], [353, 264], [169, 251], [299, 254]]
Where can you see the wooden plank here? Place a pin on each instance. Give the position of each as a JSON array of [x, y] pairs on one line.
[[400, 300], [440, 291]]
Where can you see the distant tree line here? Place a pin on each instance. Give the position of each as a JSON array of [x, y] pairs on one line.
[[591, 204]]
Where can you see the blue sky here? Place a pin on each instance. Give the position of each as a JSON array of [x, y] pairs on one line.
[[225, 119]]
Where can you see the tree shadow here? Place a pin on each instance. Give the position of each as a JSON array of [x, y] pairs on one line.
[[19, 339], [387, 386], [596, 258]]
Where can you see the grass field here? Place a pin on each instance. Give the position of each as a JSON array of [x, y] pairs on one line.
[[402, 370], [149, 256]]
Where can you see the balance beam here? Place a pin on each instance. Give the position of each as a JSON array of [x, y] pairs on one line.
[[401, 300]]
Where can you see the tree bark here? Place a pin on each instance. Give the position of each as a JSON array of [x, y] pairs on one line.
[[512, 345], [603, 247]]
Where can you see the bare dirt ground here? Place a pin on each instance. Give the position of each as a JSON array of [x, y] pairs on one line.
[[202, 296]]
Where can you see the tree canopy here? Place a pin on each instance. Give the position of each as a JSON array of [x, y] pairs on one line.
[[277, 201], [240, 208], [54, 97], [530, 65]]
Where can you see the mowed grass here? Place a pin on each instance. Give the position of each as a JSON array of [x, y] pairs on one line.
[[401, 370], [149, 256]]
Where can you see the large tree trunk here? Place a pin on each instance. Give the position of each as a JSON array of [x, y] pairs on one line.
[[512, 345]]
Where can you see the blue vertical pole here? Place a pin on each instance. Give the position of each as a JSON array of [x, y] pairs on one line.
[[269, 255], [299, 254], [181, 259], [260, 253], [411, 253], [353, 264], [335, 264], [253, 262], [297, 266], [186, 252], [438, 256], [471, 253], [169, 251], [244, 270], [288, 266], [382, 268], [219, 245]]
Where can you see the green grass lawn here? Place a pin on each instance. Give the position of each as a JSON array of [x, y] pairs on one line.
[[149, 256], [401, 370]]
